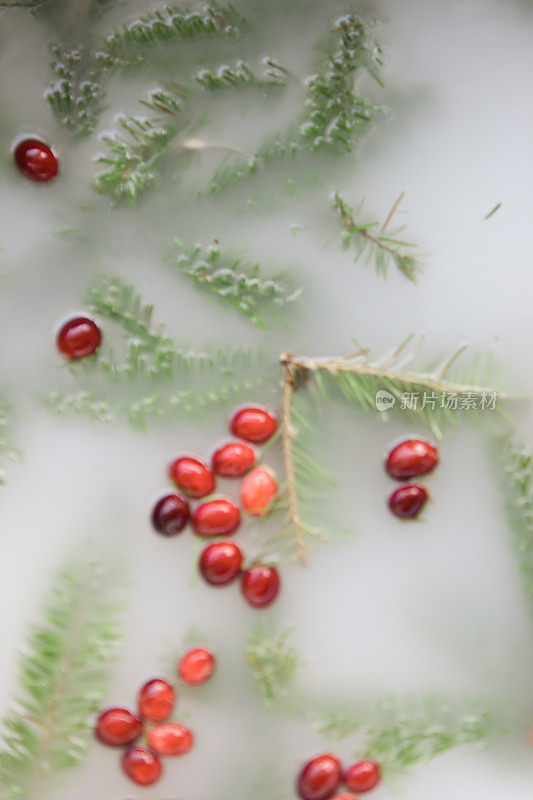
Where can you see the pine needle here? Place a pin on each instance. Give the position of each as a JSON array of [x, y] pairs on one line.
[[63, 679]]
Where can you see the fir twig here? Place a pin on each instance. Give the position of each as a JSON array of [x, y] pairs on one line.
[[518, 486], [382, 247], [174, 23], [273, 661], [243, 75], [63, 680], [334, 114], [428, 395], [237, 283]]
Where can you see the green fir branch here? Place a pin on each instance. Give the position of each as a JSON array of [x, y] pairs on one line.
[[371, 239], [241, 74], [334, 115], [174, 23], [237, 283], [139, 145], [274, 663], [63, 679], [434, 396], [518, 487], [418, 731]]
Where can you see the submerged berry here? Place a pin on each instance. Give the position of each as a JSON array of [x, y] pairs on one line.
[[217, 517], [196, 666], [319, 778], [258, 490], [170, 514], [254, 424], [141, 766], [78, 338], [411, 458], [36, 160], [118, 727], [170, 739], [156, 700], [362, 776], [233, 460], [220, 563], [408, 501], [192, 476], [260, 585]]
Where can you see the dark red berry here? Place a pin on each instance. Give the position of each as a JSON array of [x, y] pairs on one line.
[[320, 778], [141, 766], [36, 160], [118, 727], [363, 776], [192, 476], [233, 459], [196, 666], [260, 585], [220, 563], [258, 490], [170, 514], [408, 501], [254, 424], [217, 517], [170, 739], [411, 458], [78, 338], [156, 700]]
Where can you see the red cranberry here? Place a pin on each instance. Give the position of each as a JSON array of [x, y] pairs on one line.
[[260, 585], [217, 517], [170, 514], [196, 666], [78, 338], [117, 727], [192, 476], [408, 501], [320, 778], [141, 766], [411, 458], [36, 160], [233, 459], [254, 424], [156, 700], [170, 739], [258, 491], [220, 563], [363, 776]]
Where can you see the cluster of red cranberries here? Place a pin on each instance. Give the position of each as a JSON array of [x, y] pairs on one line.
[[119, 727], [321, 777], [410, 459], [36, 160], [221, 561]]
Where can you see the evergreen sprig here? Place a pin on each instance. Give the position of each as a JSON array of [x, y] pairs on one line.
[[237, 283], [234, 373], [334, 114], [174, 23], [430, 395], [419, 731], [242, 74], [518, 486], [274, 662], [373, 240], [138, 146], [63, 679]]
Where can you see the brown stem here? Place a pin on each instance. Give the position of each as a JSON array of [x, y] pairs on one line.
[[287, 439]]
